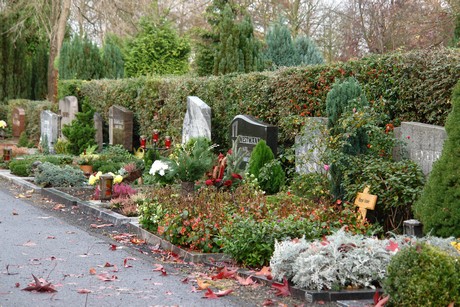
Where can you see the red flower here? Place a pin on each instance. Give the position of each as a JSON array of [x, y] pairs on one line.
[[209, 182], [237, 176], [228, 183], [218, 180]]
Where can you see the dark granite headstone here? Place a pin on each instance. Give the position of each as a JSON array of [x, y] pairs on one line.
[[251, 131], [121, 127], [19, 121]]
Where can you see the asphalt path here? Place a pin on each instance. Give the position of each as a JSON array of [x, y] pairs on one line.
[[83, 269]]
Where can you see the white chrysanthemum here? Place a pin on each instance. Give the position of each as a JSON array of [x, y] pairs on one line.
[[158, 167]]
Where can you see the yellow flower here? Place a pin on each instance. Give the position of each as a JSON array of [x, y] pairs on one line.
[[118, 179], [2, 124], [93, 179]]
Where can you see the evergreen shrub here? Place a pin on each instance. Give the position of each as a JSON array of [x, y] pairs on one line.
[[50, 175], [81, 131], [23, 140], [423, 275], [20, 168], [271, 177], [439, 206], [261, 154]]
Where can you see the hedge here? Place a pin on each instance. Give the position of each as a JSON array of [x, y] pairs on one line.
[[414, 86]]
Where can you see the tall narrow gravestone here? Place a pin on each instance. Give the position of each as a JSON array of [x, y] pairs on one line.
[[121, 127], [49, 129], [98, 125], [68, 107], [197, 121], [19, 121], [310, 146], [248, 131]]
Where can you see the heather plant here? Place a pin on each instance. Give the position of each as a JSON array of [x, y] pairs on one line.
[[423, 275], [439, 206]]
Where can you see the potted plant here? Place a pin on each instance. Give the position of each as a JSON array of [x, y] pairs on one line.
[[188, 163], [86, 158]]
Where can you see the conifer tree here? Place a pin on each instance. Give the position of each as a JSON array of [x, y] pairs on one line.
[[280, 49], [112, 60], [80, 59], [439, 205], [344, 96], [81, 131], [307, 52]]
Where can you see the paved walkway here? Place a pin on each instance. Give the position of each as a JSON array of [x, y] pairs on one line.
[[34, 242]]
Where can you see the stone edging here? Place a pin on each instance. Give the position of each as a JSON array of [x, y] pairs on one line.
[[96, 209]]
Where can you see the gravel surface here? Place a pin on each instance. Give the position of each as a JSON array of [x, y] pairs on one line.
[[256, 295]]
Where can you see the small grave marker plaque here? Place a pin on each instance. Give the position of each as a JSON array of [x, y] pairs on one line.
[[251, 131], [365, 201]]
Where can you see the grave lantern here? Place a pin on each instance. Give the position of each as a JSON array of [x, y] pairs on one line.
[[155, 136], [7, 154], [105, 185], [167, 142], [143, 141]]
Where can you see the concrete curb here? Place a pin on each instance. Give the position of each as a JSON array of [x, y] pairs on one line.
[[354, 298]]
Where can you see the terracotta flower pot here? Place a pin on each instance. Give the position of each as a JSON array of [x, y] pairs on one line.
[[87, 169]]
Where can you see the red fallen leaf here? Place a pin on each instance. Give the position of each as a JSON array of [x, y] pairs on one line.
[[17, 285], [115, 269], [393, 247], [84, 291], [210, 294], [245, 282], [92, 271], [268, 302], [376, 297], [108, 265], [161, 269], [185, 280], [125, 262], [113, 247], [384, 300], [51, 237], [282, 289], [100, 226], [265, 271], [40, 286], [137, 241], [105, 277]]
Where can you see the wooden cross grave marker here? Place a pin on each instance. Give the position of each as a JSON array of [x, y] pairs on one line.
[[365, 201]]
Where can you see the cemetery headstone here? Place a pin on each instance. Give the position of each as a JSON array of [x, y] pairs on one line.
[[197, 121], [423, 143], [248, 131], [98, 125], [311, 145], [49, 129], [19, 121], [68, 107], [121, 127]]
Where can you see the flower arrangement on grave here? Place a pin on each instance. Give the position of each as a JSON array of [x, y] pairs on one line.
[[187, 163], [2, 128], [94, 178], [88, 156]]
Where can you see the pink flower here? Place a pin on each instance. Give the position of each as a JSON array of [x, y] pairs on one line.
[[408, 137], [326, 167]]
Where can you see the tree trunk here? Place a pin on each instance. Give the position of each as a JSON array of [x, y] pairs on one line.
[[60, 11]]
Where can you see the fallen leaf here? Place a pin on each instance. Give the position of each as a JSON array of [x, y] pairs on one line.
[[113, 247], [282, 289], [225, 273], [193, 290], [15, 213], [210, 294], [137, 241], [29, 244], [100, 226], [51, 237], [245, 282], [185, 280], [393, 246], [125, 262], [202, 284], [265, 271], [105, 277], [20, 195], [268, 302], [92, 271], [161, 269], [84, 291], [58, 207], [108, 265], [376, 297], [40, 286], [17, 285]]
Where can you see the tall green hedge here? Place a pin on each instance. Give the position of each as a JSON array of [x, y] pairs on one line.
[[413, 86]]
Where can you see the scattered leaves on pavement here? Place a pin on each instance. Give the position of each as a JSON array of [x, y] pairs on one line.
[[40, 285], [282, 289]]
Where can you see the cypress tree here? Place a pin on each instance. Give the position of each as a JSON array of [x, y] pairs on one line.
[[439, 205], [80, 59], [112, 61]]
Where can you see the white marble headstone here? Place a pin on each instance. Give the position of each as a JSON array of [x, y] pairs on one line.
[[197, 121]]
